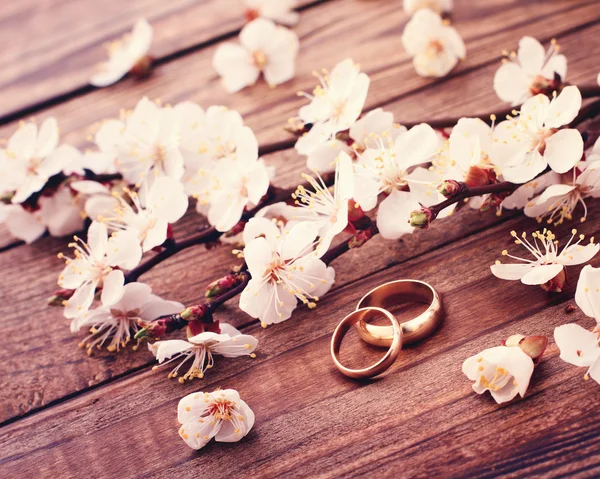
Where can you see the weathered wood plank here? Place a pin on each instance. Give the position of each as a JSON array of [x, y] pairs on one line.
[[421, 415], [324, 41], [51, 47], [44, 382]]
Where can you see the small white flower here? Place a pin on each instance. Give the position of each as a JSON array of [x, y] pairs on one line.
[[587, 295], [93, 266], [547, 268], [384, 168], [239, 181], [435, 46], [336, 103], [280, 11], [527, 144], [124, 54], [284, 270], [220, 414], [529, 71], [328, 211], [579, 347], [150, 143], [201, 348], [558, 201], [148, 215], [438, 6], [30, 159], [115, 325], [264, 48], [504, 371]]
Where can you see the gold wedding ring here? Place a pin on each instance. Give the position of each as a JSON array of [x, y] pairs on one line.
[[363, 315], [395, 293]]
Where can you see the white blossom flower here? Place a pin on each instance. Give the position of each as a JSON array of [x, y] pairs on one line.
[[116, 325], [435, 46], [384, 168], [504, 371], [530, 71], [124, 54], [30, 159], [148, 215], [336, 103], [220, 414], [527, 144], [328, 211], [558, 201], [264, 48], [21, 223], [524, 193], [94, 266], [374, 124], [280, 11], [587, 295], [201, 349], [149, 143], [438, 6], [579, 347], [284, 270], [238, 181], [547, 268]]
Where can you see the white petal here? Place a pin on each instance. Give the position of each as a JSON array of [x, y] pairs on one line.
[[192, 406], [587, 295], [258, 227], [577, 345], [112, 287], [531, 55], [564, 108], [234, 64], [511, 84], [564, 149], [532, 165], [241, 345], [88, 187], [556, 65], [47, 139], [97, 239], [578, 254], [167, 199], [226, 211], [393, 217], [258, 254], [298, 241], [542, 274], [510, 271], [123, 250], [416, 146], [80, 302]]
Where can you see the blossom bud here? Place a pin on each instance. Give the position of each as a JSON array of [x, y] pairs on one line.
[[192, 313], [556, 284], [421, 218], [449, 188], [533, 346], [360, 238], [477, 176], [220, 286], [60, 297], [197, 327], [143, 67]]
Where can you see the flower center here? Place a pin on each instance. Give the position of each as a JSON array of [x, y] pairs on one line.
[[259, 59], [434, 48], [539, 139], [221, 409]]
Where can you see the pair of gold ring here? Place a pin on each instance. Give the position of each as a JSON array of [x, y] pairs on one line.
[[375, 304]]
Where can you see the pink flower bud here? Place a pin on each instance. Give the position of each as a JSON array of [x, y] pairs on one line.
[[220, 286], [60, 297], [450, 188], [195, 312], [421, 218]]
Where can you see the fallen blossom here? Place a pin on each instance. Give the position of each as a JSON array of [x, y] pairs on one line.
[[435, 46], [530, 71], [124, 55], [201, 349], [527, 144], [221, 415], [504, 371], [579, 347], [264, 48], [93, 266], [284, 271], [548, 266], [115, 325], [280, 11]]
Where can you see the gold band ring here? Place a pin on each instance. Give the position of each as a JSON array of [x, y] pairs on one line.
[[394, 293], [363, 315]]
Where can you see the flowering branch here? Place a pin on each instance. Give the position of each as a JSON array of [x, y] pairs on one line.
[[422, 218]]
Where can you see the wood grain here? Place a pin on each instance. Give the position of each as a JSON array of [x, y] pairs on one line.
[[312, 420], [51, 46]]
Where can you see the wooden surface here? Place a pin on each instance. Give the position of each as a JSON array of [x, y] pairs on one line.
[[65, 414]]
